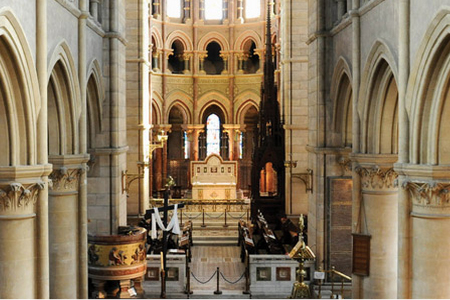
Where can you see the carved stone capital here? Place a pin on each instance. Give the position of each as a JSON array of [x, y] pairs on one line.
[[19, 198], [345, 163], [65, 179], [428, 193], [377, 179]]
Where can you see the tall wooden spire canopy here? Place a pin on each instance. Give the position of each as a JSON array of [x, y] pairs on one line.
[[268, 175]]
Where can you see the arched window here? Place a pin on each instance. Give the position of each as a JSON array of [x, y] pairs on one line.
[[241, 145], [252, 9], [213, 9], [186, 146], [174, 8], [212, 135]]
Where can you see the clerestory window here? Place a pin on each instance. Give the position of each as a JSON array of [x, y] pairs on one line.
[[213, 9], [174, 8], [252, 9]]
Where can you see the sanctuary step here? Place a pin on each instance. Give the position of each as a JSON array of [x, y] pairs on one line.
[[214, 233]]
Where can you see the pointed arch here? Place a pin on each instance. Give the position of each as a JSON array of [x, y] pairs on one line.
[[155, 114], [428, 95], [94, 99], [243, 108], [246, 36], [19, 94], [341, 97], [378, 102], [214, 107], [64, 103], [184, 109], [214, 98]]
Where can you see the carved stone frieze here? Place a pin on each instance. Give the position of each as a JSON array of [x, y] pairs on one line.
[[18, 197], [377, 179], [65, 179], [431, 193]]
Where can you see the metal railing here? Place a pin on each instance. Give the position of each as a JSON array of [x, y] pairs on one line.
[[333, 272], [197, 205]]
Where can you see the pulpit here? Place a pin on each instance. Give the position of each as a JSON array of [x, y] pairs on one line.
[[213, 178]]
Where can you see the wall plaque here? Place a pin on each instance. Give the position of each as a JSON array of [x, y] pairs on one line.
[[361, 254]]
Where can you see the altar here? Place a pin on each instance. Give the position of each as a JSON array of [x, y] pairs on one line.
[[213, 179]]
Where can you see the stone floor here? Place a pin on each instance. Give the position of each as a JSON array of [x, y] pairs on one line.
[[206, 259]]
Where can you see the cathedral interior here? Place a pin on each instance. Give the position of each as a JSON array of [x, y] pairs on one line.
[[309, 133]]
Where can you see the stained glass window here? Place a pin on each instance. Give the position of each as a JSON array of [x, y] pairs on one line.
[[241, 145], [213, 9], [174, 8], [186, 145], [212, 135], [252, 8]]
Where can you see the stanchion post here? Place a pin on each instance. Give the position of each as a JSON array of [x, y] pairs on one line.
[[247, 215], [163, 285], [203, 218], [218, 291], [247, 281], [225, 225], [188, 284]]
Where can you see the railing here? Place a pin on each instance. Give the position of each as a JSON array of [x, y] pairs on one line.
[[197, 205], [333, 272]]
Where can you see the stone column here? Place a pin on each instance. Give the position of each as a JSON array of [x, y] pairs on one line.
[[224, 56], [232, 130], [430, 241], [201, 10], [186, 58], [94, 9], [64, 213], [240, 12], [201, 58], [19, 196], [404, 207], [378, 217], [156, 8], [340, 8], [42, 278], [155, 61], [241, 56], [82, 199], [187, 11], [193, 133], [356, 193]]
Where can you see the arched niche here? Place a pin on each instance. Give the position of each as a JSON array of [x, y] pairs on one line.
[[62, 133], [252, 63], [19, 95], [344, 112], [176, 61], [382, 113], [213, 64], [94, 116]]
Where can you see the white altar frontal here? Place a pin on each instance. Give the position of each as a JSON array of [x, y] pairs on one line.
[[213, 179]]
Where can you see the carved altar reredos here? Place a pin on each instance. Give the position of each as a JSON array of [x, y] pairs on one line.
[[213, 178]]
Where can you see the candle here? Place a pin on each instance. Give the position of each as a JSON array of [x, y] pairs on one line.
[[162, 261]]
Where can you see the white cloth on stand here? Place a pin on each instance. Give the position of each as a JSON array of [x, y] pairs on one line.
[[173, 225]]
